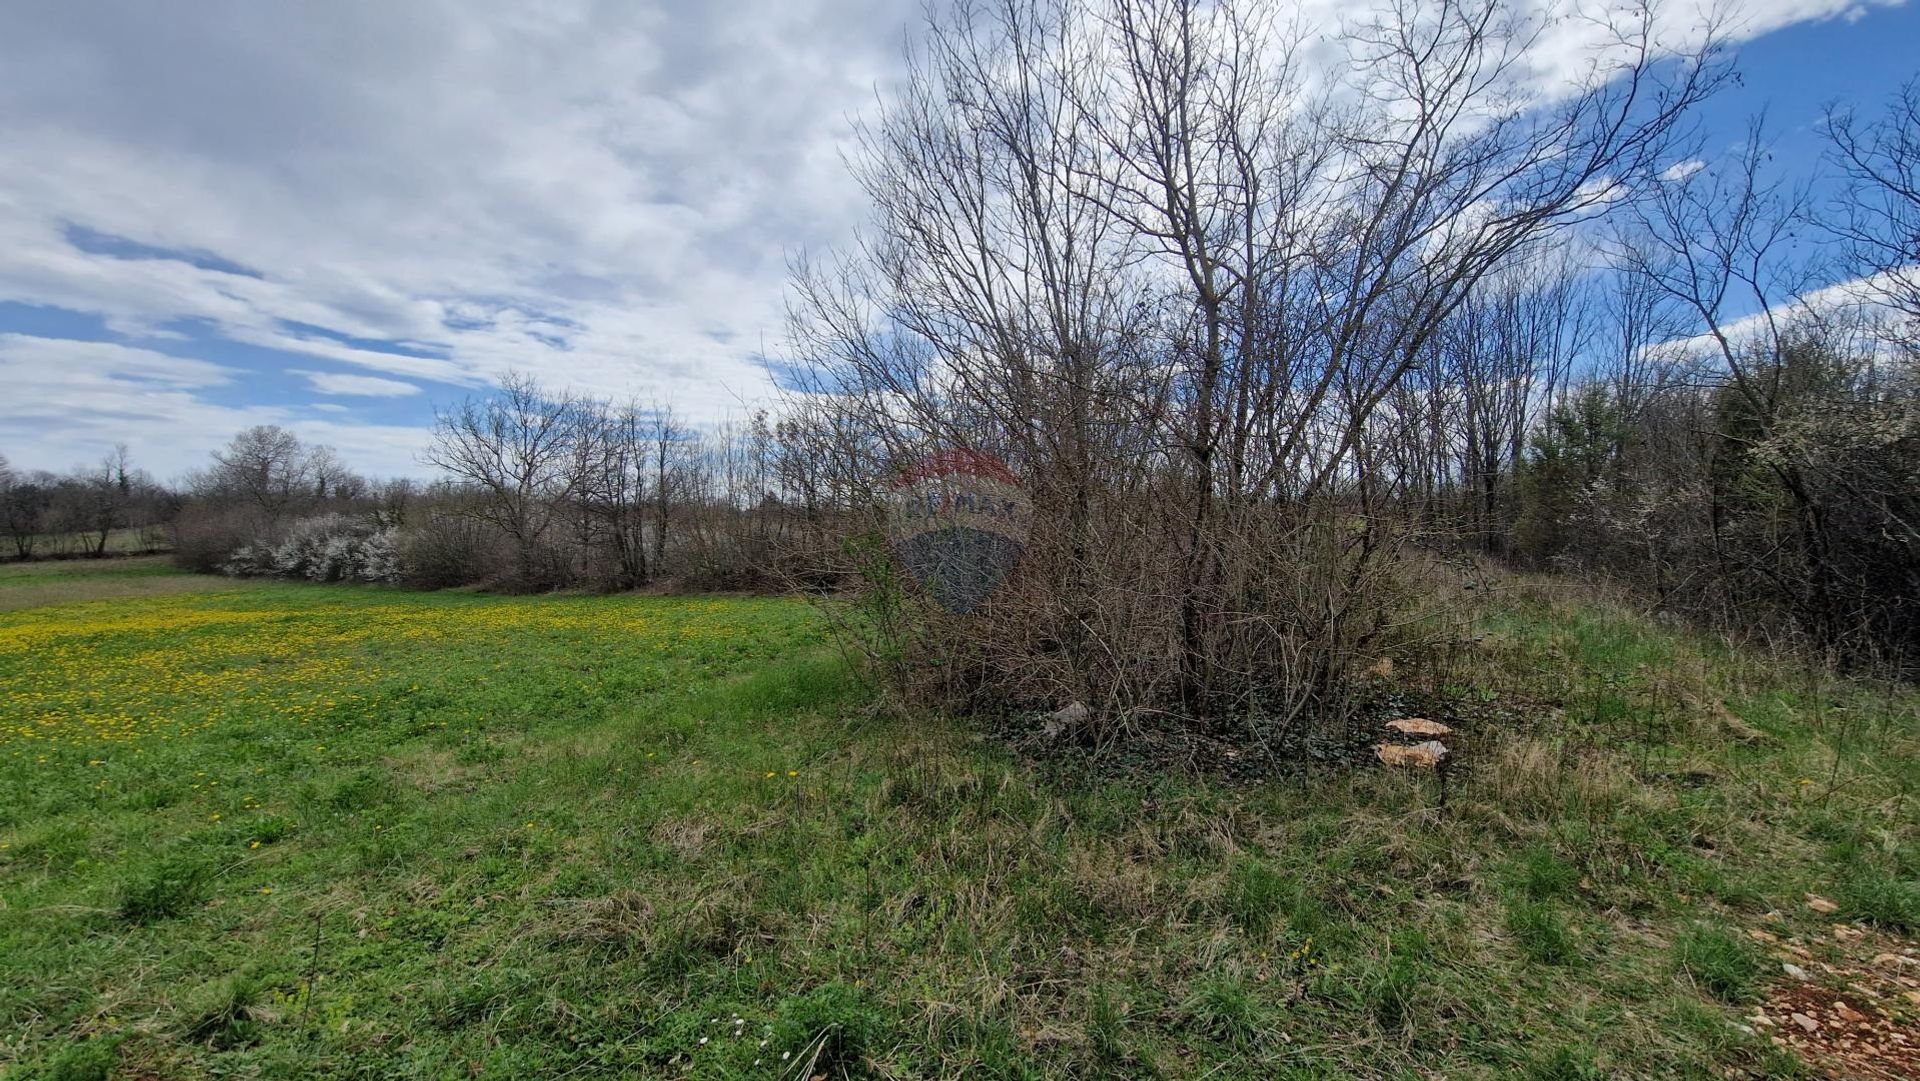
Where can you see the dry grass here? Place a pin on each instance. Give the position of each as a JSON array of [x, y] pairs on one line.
[[25, 586]]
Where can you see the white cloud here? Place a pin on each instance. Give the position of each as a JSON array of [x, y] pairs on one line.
[[583, 190], [365, 386], [602, 194], [69, 402], [1855, 305], [1680, 170]]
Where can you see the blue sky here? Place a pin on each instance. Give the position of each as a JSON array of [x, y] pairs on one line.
[[335, 217], [1859, 58]]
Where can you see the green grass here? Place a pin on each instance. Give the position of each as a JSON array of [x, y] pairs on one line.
[[284, 831], [67, 581]]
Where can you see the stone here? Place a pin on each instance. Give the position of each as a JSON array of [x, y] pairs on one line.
[[1419, 726], [1426, 755], [1068, 716]]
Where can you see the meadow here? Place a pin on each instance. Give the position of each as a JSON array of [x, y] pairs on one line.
[[275, 830]]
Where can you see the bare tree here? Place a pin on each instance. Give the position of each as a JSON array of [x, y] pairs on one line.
[[517, 448], [264, 467], [109, 494], [332, 480], [1172, 265], [669, 443], [1878, 217], [613, 455], [1802, 446], [24, 499]]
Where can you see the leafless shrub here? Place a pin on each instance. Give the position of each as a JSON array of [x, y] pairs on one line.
[[1174, 273]]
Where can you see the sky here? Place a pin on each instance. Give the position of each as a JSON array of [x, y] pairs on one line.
[[336, 217]]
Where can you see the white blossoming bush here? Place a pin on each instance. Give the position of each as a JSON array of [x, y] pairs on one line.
[[253, 560], [327, 548], [380, 556]]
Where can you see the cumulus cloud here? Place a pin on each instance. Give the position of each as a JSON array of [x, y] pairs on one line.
[[73, 400], [604, 195]]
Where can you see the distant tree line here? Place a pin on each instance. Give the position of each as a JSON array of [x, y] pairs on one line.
[[90, 511], [538, 490]]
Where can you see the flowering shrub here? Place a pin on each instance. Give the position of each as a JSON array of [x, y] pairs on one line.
[[327, 548]]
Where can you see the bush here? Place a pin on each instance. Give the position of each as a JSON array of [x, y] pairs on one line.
[[327, 548], [448, 550], [204, 538]]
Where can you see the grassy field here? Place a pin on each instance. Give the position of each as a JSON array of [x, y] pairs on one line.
[[120, 542], [69, 581], [283, 831]]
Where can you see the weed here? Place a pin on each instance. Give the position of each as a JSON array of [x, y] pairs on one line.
[[227, 1014], [1543, 876], [1565, 1064], [168, 887], [1256, 893], [1718, 961], [1882, 898], [1541, 932]]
